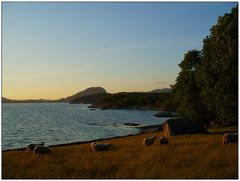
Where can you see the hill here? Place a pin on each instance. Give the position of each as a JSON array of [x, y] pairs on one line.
[[161, 90], [135, 100], [86, 92], [91, 99], [5, 100]]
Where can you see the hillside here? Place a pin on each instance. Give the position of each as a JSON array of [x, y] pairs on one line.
[[5, 100], [126, 100], [164, 90], [86, 92], [91, 99]]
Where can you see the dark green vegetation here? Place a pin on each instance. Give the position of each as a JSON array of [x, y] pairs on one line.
[[91, 99], [206, 89], [134, 100], [159, 98], [188, 156]]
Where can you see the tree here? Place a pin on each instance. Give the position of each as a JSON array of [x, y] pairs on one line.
[[206, 88], [186, 90], [218, 74]]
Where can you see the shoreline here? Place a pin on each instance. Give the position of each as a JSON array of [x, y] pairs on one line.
[[142, 130], [108, 108], [129, 158]]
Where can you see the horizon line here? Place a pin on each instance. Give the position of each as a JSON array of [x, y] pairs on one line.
[[55, 99]]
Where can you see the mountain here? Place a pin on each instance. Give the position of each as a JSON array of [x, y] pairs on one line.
[[5, 100], [91, 99], [164, 90], [86, 92]]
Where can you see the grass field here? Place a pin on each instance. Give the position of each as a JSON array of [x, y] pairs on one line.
[[187, 156]]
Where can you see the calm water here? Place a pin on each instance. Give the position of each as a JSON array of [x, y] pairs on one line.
[[57, 123]]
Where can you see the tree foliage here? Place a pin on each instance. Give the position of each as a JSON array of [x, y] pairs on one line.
[[129, 100], [218, 75], [208, 82], [186, 90]]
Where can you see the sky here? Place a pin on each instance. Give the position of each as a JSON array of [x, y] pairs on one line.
[[54, 50]]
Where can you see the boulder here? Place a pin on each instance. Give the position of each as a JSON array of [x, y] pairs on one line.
[[173, 127]]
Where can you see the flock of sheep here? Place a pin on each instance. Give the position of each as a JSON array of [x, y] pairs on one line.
[[150, 140], [40, 149]]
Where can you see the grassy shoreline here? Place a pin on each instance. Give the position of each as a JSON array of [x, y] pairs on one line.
[[186, 156], [142, 130]]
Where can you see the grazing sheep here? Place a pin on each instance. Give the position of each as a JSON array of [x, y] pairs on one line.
[[31, 147], [163, 140], [92, 144], [100, 146], [230, 138], [42, 150], [149, 141]]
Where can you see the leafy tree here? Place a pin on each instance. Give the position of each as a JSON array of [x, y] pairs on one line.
[[218, 73], [206, 89], [186, 90]]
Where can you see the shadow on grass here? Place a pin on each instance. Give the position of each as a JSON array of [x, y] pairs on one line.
[[222, 132]]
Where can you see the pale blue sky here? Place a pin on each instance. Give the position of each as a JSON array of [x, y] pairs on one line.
[[52, 50]]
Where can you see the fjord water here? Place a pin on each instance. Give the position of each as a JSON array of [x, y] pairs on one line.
[[59, 123]]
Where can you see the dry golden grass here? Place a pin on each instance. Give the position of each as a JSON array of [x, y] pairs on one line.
[[188, 156]]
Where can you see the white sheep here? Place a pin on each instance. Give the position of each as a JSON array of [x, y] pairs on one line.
[[163, 140], [92, 144], [42, 150], [31, 147], [149, 141], [230, 138], [100, 146]]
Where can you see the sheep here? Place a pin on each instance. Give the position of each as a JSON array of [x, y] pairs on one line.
[[230, 138], [42, 150], [31, 147], [163, 140], [92, 144], [100, 146], [149, 141]]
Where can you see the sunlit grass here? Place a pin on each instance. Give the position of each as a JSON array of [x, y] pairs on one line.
[[188, 156]]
